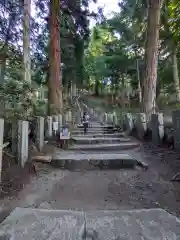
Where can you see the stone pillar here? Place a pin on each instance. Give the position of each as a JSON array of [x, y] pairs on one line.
[[1, 143], [129, 122], [157, 127], [40, 133], [60, 122], [78, 118], [70, 116], [176, 126], [55, 124], [49, 126], [23, 145], [141, 124], [55, 118], [115, 120], [123, 121]]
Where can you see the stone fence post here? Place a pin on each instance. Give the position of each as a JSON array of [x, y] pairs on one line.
[[115, 119], [60, 122], [40, 133], [176, 126], [49, 126], [141, 124], [23, 143], [129, 125], [1, 143], [55, 125], [105, 118], [157, 127]]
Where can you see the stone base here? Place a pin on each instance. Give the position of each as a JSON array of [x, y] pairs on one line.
[[31, 224]]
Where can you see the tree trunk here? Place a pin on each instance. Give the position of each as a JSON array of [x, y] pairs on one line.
[[176, 75], [26, 41], [2, 70], [139, 81], [97, 83], [55, 78], [149, 84]]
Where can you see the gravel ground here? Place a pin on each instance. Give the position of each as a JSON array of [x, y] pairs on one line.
[[95, 190]]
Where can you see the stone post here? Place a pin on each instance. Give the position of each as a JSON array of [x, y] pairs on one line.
[[129, 122], [1, 143], [123, 120], [105, 118], [115, 119], [70, 116], [23, 144], [176, 126], [40, 133], [49, 126], [141, 124], [78, 118], [60, 122], [55, 118], [157, 127], [55, 124]]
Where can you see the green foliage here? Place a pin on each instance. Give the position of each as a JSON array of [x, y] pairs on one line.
[[18, 100]]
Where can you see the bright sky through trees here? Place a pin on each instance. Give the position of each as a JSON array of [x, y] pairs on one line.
[[109, 6]]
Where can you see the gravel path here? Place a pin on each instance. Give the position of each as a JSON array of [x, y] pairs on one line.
[[94, 190]]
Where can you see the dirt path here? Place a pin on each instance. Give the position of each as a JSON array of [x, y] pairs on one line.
[[91, 190]]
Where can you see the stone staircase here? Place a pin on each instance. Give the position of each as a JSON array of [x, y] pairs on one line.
[[97, 149]]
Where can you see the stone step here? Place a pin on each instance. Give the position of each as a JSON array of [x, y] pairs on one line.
[[90, 161], [91, 131], [96, 135], [32, 224], [91, 140], [105, 147], [97, 126]]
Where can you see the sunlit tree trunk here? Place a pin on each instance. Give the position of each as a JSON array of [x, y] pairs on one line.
[[55, 79], [176, 74], [26, 41], [149, 83]]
